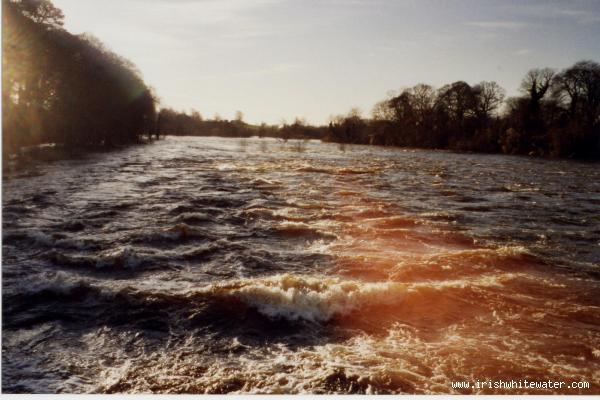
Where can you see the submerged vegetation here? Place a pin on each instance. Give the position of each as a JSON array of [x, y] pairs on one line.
[[63, 88], [558, 115]]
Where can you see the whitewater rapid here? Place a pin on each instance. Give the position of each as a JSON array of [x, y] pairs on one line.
[[212, 265]]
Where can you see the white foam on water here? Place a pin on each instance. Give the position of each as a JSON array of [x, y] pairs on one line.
[[125, 257], [311, 298]]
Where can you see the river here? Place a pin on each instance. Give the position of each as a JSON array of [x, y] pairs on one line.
[[212, 265]]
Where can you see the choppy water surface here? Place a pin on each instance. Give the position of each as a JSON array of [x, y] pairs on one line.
[[211, 265]]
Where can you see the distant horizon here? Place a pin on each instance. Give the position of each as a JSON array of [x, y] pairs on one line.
[[276, 60]]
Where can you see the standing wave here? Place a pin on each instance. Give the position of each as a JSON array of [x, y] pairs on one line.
[[312, 298]]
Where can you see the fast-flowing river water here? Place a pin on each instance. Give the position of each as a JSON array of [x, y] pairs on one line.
[[211, 265]]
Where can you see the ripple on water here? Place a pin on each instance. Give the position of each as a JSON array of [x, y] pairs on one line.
[[210, 265]]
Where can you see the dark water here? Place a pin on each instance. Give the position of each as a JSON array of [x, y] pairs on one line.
[[211, 265]]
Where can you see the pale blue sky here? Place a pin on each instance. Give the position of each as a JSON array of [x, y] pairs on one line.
[[277, 59]]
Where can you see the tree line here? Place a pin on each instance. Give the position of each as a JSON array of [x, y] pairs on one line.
[[63, 88], [70, 89], [557, 115], [171, 122]]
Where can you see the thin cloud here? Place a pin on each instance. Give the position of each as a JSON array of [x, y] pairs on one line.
[[279, 68], [269, 70], [523, 52], [506, 25], [580, 16]]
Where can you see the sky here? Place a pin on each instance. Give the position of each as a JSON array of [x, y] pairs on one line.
[[276, 60]]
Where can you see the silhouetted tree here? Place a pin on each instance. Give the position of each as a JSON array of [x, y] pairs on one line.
[[239, 116], [64, 88], [535, 85], [577, 90], [489, 97], [456, 116]]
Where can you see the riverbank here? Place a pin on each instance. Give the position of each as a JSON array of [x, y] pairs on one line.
[[29, 157]]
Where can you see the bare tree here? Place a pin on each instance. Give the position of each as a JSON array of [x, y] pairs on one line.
[[300, 121], [354, 112], [196, 115], [536, 84], [579, 86], [381, 111], [457, 100], [43, 12], [489, 97], [423, 97], [239, 116]]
